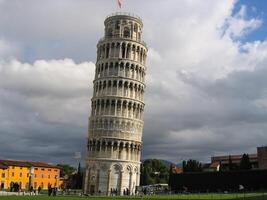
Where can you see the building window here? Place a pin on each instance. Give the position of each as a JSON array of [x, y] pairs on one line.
[[42, 176], [13, 167], [13, 174], [126, 32], [21, 168], [35, 175], [20, 174], [117, 25], [42, 169], [49, 170], [35, 185], [48, 176], [135, 28], [27, 175], [55, 170], [36, 169], [3, 175]]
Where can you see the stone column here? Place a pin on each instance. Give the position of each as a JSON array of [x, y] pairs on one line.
[[120, 183], [108, 183], [86, 181], [97, 181], [130, 182]]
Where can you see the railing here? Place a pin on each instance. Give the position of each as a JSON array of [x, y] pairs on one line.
[[124, 13], [120, 37]]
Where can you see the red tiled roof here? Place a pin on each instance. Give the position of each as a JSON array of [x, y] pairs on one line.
[[25, 164], [233, 157], [15, 163], [214, 164], [3, 166], [42, 164]]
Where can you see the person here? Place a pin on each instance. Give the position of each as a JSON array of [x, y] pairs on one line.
[[49, 190], [54, 191], [31, 190], [39, 189]]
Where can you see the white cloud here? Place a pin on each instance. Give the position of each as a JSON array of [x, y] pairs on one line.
[[58, 90]]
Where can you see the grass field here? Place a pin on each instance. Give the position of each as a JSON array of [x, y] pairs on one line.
[[251, 196]]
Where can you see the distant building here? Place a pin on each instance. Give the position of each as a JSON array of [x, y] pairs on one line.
[[211, 167], [224, 161], [27, 174], [176, 170], [258, 160], [262, 157]]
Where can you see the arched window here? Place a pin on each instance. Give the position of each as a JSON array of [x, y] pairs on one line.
[[117, 26], [110, 32], [126, 32], [135, 28]]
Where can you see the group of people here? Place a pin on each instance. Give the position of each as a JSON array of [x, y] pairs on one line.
[[52, 191], [33, 191], [114, 192], [14, 187], [126, 191]]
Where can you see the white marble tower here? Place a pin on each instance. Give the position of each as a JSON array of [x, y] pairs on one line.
[[116, 121]]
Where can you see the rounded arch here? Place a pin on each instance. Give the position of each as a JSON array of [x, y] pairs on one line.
[[126, 32]]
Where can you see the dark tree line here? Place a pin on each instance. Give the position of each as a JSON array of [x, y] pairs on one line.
[[192, 166]]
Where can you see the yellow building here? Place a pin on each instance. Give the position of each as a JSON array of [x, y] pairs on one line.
[[3, 175], [24, 174], [45, 175], [16, 172]]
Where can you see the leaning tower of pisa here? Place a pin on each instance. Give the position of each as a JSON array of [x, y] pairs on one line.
[[116, 121]]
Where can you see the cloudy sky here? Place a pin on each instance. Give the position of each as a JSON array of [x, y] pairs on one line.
[[206, 76]]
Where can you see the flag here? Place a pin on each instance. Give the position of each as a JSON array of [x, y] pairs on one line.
[[120, 3]]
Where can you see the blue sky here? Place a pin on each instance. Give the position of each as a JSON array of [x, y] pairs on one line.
[[258, 9]]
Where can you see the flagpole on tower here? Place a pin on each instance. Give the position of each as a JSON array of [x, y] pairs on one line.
[[119, 3]]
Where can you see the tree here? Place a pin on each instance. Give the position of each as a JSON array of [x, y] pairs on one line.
[[153, 171], [66, 170], [78, 178], [245, 162], [73, 178], [192, 166]]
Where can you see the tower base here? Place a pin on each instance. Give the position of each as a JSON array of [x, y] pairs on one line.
[[106, 177]]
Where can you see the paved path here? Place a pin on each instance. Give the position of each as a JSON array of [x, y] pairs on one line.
[[4, 193]]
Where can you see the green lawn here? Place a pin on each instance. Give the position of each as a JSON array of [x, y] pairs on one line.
[[251, 196]]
